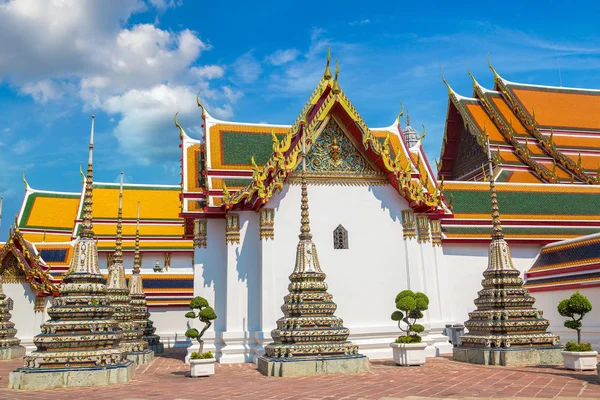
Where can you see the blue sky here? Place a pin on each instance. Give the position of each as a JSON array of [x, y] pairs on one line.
[[135, 63]]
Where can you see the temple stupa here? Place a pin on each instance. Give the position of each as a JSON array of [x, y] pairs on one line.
[[10, 345], [505, 329], [118, 293], [80, 344], [139, 309], [309, 339]]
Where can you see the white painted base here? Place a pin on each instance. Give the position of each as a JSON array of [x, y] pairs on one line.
[[235, 347], [409, 354], [430, 350], [204, 367], [580, 360]]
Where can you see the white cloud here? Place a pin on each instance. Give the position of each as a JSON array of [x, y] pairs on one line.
[[281, 57], [42, 91], [164, 4], [207, 72], [247, 68], [361, 22], [140, 74]]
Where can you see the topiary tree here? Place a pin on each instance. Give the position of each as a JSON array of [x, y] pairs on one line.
[[205, 314], [575, 307], [410, 307]]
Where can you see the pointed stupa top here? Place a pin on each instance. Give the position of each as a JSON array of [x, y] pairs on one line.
[[336, 86], [116, 271], [135, 282], [86, 225], [306, 254], [410, 134], [327, 74]]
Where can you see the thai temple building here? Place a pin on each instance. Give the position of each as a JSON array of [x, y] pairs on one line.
[[383, 216]]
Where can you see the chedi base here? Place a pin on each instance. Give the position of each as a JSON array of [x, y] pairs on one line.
[[36, 379], [8, 353], [509, 357], [313, 366]]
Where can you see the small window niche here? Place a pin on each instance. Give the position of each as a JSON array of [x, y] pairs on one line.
[[340, 238]]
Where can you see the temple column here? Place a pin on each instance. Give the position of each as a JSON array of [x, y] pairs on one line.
[[435, 322], [237, 340], [411, 249], [204, 263], [441, 343], [267, 281]]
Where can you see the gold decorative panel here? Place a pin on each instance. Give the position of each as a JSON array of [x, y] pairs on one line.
[[200, 232], [232, 228], [267, 223], [436, 232], [408, 224], [423, 229]]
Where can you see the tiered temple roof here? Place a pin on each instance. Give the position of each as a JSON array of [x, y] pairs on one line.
[[241, 165], [566, 265], [539, 134]]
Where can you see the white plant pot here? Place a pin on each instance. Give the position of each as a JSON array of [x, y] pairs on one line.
[[204, 367], [580, 360], [406, 354]]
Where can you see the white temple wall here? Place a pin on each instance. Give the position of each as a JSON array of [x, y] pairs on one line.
[[181, 263], [27, 321], [548, 302], [465, 264]]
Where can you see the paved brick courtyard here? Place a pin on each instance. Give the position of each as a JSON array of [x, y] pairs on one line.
[[440, 377]]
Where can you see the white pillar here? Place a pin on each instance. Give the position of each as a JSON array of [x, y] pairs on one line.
[[411, 248]]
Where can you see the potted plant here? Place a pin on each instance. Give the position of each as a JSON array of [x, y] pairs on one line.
[[408, 349], [201, 364], [578, 356]]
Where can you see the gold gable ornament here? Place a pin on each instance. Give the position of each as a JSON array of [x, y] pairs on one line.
[[408, 224], [232, 228], [267, 223]]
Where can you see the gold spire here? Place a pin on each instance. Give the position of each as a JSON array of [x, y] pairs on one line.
[[327, 74], [179, 126], [118, 256], [200, 105], [305, 220], [137, 262], [336, 86], [86, 225], [450, 90], [497, 226], [401, 113], [475, 83], [496, 76], [27, 187]]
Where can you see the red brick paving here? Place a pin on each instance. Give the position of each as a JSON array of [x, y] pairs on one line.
[[441, 377]]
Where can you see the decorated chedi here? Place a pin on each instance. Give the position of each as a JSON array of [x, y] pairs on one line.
[[309, 339], [505, 329], [10, 345], [139, 309], [80, 344], [118, 293]]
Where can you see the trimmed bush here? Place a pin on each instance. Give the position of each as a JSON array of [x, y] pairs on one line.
[[575, 307], [201, 356], [574, 346], [205, 314], [410, 307]]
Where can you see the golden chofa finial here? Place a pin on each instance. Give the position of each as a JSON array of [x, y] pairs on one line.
[[200, 105], [401, 113], [179, 126], [327, 74], [496, 76], [423, 134], [475, 83], [27, 187], [81, 173], [336, 86], [450, 91]]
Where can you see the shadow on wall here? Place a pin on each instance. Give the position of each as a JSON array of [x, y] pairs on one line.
[[248, 268], [214, 271], [393, 205]]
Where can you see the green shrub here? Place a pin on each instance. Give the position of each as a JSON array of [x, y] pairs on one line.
[[575, 307], [206, 314], [198, 356], [410, 307], [409, 339], [573, 346]]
